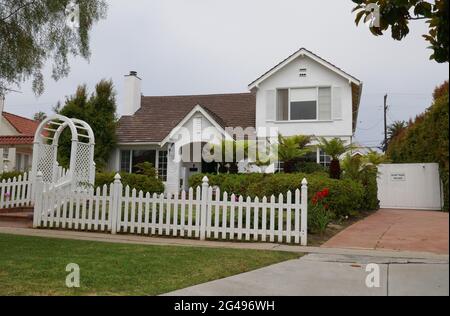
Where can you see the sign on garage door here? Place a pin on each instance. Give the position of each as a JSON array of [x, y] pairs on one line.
[[410, 186]]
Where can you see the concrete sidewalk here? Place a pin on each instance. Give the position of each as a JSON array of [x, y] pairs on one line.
[[330, 275], [145, 240]]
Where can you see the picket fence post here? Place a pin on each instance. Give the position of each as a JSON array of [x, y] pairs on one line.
[[37, 194], [116, 198], [304, 214], [204, 207]]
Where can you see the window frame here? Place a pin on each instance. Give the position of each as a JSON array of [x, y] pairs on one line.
[[317, 87], [163, 177], [319, 158], [130, 160]]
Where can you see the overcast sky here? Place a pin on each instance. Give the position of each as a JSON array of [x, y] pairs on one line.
[[217, 46]]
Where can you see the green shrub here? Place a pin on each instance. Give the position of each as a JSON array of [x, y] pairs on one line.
[[345, 196], [309, 167], [139, 182], [369, 182], [10, 175]]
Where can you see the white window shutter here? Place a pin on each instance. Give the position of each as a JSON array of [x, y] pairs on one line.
[[337, 103], [197, 126], [271, 105]]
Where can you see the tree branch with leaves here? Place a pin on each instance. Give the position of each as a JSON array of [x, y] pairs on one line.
[[33, 32], [397, 14]]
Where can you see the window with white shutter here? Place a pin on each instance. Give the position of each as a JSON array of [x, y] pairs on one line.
[[324, 104], [337, 103], [271, 105]]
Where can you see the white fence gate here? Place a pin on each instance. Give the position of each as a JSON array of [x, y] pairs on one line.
[[201, 213], [410, 186]]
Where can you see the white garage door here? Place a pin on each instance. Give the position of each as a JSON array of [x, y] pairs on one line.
[[410, 186]]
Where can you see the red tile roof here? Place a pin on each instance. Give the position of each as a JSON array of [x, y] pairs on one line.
[[16, 140], [23, 125], [159, 115]]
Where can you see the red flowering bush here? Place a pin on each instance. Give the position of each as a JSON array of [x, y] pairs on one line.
[[319, 215]]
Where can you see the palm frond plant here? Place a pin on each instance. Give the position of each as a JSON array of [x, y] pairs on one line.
[[355, 166], [394, 130], [291, 148], [374, 158], [334, 148]]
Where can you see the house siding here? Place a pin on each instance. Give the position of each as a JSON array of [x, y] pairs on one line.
[[317, 75]]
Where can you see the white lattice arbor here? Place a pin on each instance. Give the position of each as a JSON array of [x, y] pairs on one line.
[[81, 172]]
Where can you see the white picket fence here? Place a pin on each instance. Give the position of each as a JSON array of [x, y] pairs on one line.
[[203, 213], [16, 192]]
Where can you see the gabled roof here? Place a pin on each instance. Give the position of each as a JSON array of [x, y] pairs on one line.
[[356, 84], [23, 125], [303, 52], [159, 115]]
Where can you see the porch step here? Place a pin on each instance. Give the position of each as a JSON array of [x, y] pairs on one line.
[[17, 216], [21, 209]]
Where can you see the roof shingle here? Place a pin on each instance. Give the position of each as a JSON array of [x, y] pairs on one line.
[[159, 115]]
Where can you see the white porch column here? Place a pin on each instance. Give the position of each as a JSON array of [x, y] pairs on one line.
[[173, 172], [1, 158]]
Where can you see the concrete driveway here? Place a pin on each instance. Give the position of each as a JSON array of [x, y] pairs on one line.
[[402, 230], [330, 275]]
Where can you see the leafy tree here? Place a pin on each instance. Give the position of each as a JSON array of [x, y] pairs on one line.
[[34, 31], [398, 13], [426, 139], [334, 148], [394, 130], [39, 116], [99, 111], [292, 148]]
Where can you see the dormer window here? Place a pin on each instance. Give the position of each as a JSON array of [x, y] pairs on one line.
[[304, 104]]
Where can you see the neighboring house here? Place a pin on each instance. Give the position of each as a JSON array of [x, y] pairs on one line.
[[304, 94], [359, 150], [16, 140]]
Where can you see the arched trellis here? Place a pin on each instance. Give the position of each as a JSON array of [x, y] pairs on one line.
[[81, 172]]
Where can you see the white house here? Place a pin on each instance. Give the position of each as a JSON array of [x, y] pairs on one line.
[[16, 140], [304, 94]]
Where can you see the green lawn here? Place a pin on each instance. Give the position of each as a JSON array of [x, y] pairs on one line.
[[36, 266]]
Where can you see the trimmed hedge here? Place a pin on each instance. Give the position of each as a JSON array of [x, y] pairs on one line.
[[346, 196], [139, 182], [10, 175]]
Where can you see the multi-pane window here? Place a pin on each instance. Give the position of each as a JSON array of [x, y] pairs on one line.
[[279, 166], [324, 159], [125, 160], [18, 162], [162, 165], [140, 156], [26, 162], [5, 153], [304, 104], [130, 158]]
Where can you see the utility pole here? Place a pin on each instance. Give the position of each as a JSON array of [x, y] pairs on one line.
[[385, 107]]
